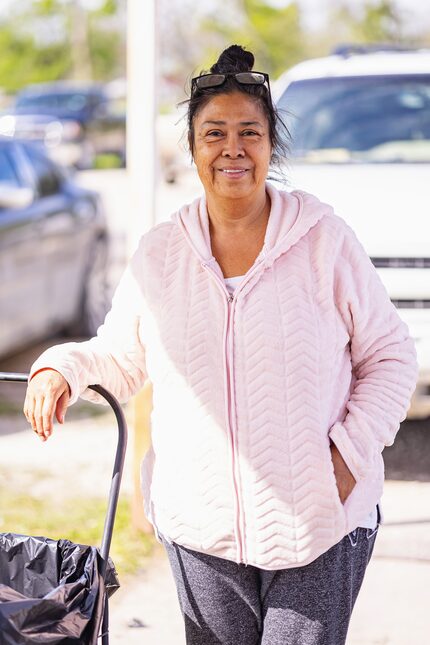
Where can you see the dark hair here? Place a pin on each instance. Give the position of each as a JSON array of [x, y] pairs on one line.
[[236, 59]]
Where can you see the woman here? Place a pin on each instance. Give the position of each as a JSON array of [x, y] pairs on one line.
[[280, 370]]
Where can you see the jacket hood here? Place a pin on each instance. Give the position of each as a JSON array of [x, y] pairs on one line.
[[292, 214]]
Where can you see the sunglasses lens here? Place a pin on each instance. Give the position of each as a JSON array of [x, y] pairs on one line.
[[215, 80], [250, 78], [211, 80]]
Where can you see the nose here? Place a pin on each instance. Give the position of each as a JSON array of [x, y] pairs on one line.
[[233, 148]]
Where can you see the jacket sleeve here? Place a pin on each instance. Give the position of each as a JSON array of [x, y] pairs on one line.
[[115, 357], [383, 357]]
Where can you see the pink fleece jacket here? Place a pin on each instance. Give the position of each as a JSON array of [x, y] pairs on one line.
[[248, 390]]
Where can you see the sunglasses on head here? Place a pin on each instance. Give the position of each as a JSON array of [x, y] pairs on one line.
[[206, 81]]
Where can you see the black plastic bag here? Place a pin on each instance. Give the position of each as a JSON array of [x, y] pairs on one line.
[[51, 591]]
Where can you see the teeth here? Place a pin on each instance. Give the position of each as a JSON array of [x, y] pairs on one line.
[[235, 171]]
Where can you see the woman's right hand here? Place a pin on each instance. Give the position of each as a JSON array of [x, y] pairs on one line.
[[48, 393], [344, 478]]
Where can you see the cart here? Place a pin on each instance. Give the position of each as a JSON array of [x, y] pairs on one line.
[[91, 573]]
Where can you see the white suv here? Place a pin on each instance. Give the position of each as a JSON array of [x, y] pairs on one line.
[[360, 126]]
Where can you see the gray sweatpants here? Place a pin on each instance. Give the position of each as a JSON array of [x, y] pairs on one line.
[[234, 604]]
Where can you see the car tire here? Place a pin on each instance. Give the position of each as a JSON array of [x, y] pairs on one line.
[[96, 298]]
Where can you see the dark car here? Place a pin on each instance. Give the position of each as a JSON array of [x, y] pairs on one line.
[[75, 122], [53, 250]]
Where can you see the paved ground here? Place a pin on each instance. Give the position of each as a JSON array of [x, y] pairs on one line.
[[145, 611]]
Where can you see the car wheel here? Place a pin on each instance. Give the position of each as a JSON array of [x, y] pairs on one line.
[[95, 299]]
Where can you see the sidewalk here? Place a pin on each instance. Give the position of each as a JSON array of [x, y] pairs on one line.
[[145, 611]]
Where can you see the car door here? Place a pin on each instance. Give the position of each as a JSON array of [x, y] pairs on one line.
[[65, 236], [21, 286]]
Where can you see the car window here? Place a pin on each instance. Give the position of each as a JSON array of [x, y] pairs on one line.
[[373, 118], [48, 181], [8, 174], [68, 101]]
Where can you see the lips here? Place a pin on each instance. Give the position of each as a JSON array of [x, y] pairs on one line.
[[233, 172]]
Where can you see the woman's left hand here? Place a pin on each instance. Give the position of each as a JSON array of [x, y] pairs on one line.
[[344, 478]]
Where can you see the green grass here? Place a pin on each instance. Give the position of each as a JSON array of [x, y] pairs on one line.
[[80, 521], [8, 408], [106, 161], [81, 410], [85, 410]]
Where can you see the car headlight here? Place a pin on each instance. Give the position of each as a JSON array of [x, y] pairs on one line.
[[7, 125]]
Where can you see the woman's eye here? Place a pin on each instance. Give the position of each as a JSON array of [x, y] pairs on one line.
[[249, 133], [214, 133]]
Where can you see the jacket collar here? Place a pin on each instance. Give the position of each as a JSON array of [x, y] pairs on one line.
[[292, 215]]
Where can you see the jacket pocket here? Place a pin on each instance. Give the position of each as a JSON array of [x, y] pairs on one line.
[[335, 480], [335, 490]]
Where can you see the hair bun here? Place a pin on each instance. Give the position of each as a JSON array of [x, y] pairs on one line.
[[233, 59]]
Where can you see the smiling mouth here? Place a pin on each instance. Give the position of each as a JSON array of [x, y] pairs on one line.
[[233, 172]]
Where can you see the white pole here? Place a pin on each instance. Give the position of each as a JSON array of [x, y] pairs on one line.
[[140, 214], [141, 107]]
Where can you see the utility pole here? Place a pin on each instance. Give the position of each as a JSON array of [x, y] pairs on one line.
[[141, 110]]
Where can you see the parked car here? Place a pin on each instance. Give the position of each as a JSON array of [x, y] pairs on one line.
[[360, 126], [53, 250], [76, 122]]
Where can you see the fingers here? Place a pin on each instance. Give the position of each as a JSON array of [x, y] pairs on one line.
[[29, 406], [47, 393], [43, 416], [37, 415], [47, 415], [61, 407]]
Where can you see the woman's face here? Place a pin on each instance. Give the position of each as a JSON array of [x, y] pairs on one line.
[[232, 146]]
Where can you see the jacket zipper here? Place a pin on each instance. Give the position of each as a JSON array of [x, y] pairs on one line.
[[230, 302], [229, 367]]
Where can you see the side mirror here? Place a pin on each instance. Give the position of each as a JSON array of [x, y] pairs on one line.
[[15, 197]]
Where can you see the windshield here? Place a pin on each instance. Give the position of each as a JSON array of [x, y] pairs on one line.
[[359, 119], [68, 102]]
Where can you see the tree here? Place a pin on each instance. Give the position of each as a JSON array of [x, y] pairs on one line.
[[46, 40], [274, 35], [372, 22], [22, 62]]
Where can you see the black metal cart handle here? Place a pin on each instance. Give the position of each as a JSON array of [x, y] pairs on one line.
[[118, 464]]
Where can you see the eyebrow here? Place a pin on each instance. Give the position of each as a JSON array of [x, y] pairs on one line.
[[244, 123]]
